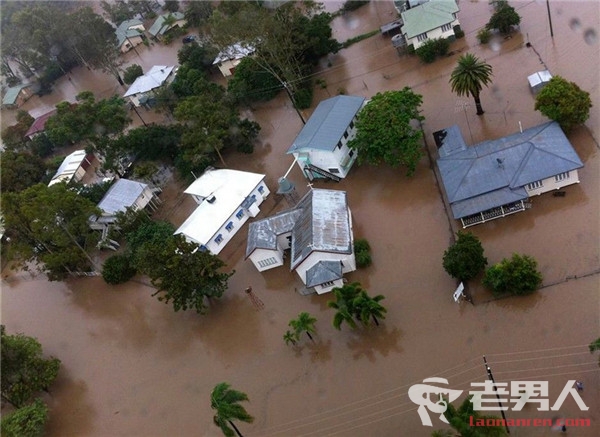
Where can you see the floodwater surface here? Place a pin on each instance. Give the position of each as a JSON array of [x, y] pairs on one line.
[[133, 367]]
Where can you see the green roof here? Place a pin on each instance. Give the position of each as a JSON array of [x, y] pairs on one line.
[[158, 28], [12, 93], [428, 16]]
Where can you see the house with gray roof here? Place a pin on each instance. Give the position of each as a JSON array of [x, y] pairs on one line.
[[318, 234], [166, 22], [230, 57], [495, 178], [430, 20], [130, 33], [144, 87], [321, 148]]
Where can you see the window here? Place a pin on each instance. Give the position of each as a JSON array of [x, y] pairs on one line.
[[267, 262], [333, 170], [446, 27], [229, 226], [422, 37], [261, 189], [339, 145], [535, 185], [327, 284], [346, 135], [351, 154], [240, 214], [351, 125], [561, 177], [219, 239]]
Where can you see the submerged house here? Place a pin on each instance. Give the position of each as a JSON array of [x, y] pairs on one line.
[[15, 96], [226, 199], [229, 58], [130, 33], [145, 86], [166, 22], [495, 178], [318, 232], [430, 20], [321, 148], [73, 168]]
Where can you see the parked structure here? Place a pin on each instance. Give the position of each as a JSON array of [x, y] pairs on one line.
[[38, 125], [17, 95], [73, 168], [130, 34], [144, 86], [318, 230], [166, 22], [321, 148], [230, 57], [430, 20], [226, 199], [495, 178]]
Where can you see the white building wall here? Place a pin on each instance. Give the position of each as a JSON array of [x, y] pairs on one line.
[[265, 259], [433, 34], [131, 42], [349, 264], [552, 183]]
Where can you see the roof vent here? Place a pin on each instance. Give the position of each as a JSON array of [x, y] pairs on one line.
[[211, 199]]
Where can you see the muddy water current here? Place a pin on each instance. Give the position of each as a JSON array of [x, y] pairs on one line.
[[133, 367]]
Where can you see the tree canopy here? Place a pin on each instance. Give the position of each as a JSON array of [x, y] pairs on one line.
[[20, 170], [564, 102], [385, 131], [517, 275], [464, 259], [27, 421], [353, 303], [469, 76], [226, 403], [24, 370], [132, 73], [503, 18], [303, 323]]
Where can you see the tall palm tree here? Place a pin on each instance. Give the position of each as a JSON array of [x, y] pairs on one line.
[[304, 323], [290, 337], [225, 401], [469, 76], [344, 298], [368, 308]]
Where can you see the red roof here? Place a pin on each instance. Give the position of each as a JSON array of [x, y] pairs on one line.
[[39, 123]]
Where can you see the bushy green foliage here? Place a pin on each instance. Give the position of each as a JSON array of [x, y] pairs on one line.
[[243, 135], [458, 32], [595, 346], [362, 253], [252, 83], [20, 170], [132, 73], [464, 259], [93, 192], [352, 303], [433, 48], [226, 403], [118, 269], [358, 38], [517, 275], [27, 421], [484, 35], [303, 96], [504, 18], [564, 102]]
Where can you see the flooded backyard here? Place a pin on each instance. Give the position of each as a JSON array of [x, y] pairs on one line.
[[133, 367]]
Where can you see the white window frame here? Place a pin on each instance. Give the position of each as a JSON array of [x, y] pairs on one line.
[[446, 27], [422, 37], [535, 185], [562, 176]]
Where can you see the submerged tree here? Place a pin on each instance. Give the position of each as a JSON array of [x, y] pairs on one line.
[[504, 18], [517, 275], [464, 259], [226, 403], [304, 323], [564, 102], [469, 77]]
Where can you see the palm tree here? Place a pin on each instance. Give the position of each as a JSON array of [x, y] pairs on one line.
[[304, 323], [344, 298], [367, 308], [290, 337], [224, 401], [469, 76], [168, 22]]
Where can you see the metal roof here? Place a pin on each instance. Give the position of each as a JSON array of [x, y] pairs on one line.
[[158, 28], [233, 52], [494, 172], [127, 29], [39, 123], [322, 272], [152, 79], [428, 16], [69, 167], [262, 234], [327, 124], [121, 195], [12, 94]]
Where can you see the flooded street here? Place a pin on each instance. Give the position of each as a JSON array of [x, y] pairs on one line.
[[133, 367]]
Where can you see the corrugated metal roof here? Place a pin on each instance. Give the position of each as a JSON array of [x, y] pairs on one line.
[[327, 124], [233, 52], [121, 195], [152, 79], [39, 123], [68, 167], [492, 173], [262, 234], [158, 27], [12, 94], [127, 29], [322, 272], [428, 16]]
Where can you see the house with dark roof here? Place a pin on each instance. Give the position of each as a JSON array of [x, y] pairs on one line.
[[318, 234], [166, 22], [430, 20], [321, 148], [495, 178], [130, 33], [38, 125]]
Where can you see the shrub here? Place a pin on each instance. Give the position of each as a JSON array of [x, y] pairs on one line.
[[303, 97], [132, 73], [517, 275], [410, 49], [433, 48], [117, 269], [362, 253], [484, 36], [464, 259], [458, 32]]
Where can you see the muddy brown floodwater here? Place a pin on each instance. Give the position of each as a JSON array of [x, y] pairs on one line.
[[133, 367]]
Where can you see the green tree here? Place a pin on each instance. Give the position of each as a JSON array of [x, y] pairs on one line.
[[196, 13], [469, 76], [182, 274], [290, 337], [13, 136], [460, 418], [362, 252], [49, 225], [595, 346], [24, 370], [252, 83], [143, 236], [20, 170], [197, 56], [368, 308], [517, 275], [27, 421], [384, 132], [464, 259], [304, 323], [132, 73], [118, 269], [564, 102], [344, 304], [226, 403], [503, 19]]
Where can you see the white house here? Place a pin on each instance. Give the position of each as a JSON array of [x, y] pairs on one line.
[[130, 33], [226, 199], [230, 57], [73, 168], [321, 148], [144, 86], [159, 28], [318, 232], [495, 178], [430, 20]]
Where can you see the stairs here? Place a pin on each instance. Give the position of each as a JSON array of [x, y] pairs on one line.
[[322, 172]]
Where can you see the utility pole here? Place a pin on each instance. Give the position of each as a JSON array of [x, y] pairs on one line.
[[285, 85], [138, 114], [549, 18], [491, 377]]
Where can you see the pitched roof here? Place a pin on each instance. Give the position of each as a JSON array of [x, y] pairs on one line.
[[121, 195], [494, 172], [327, 124], [319, 222], [230, 189], [39, 123], [428, 16], [152, 79], [12, 93], [127, 29], [158, 27], [69, 166], [322, 272], [233, 52]]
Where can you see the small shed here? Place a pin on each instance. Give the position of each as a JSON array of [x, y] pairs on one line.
[[539, 80], [17, 95]]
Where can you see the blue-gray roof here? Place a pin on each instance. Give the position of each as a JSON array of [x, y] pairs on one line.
[[322, 272], [494, 172], [327, 124], [121, 195]]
